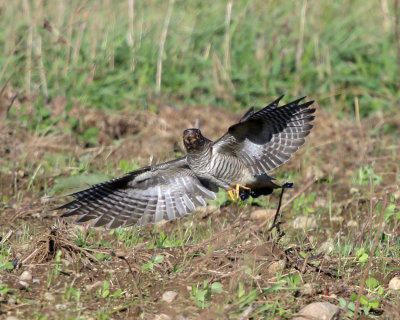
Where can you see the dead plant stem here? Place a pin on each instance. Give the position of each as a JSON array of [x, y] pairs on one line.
[[371, 256], [162, 45]]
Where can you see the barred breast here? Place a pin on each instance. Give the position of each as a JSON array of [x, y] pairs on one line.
[[222, 169]]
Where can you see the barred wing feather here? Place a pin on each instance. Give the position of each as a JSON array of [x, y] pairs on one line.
[[151, 194], [266, 139]]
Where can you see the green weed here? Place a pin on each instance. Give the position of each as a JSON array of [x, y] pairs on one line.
[[202, 294]]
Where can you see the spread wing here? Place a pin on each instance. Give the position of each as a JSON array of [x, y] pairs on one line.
[[164, 192], [266, 139]]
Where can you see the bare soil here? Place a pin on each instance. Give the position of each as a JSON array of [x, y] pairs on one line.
[[239, 250]]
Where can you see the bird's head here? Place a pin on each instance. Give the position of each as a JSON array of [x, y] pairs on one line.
[[193, 139]]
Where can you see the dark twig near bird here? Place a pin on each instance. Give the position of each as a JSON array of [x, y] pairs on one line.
[[237, 162]]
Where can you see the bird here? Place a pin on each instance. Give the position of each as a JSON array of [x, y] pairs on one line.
[[237, 162]]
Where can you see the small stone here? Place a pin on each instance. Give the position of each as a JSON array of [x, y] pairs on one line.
[[207, 209], [61, 306], [318, 310], [161, 223], [162, 316], [326, 246], [303, 222], [23, 284], [354, 190], [258, 214], [394, 283], [276, 266], [338, 219], [352, 224], [11, 318], [93, 286], [49, 296], [308, 289], [26, 276], [262, 214], [169, 296], [314, 172], [36, 281], [11, 301]]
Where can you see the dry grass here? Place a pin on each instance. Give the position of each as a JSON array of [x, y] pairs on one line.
[[225, 245]]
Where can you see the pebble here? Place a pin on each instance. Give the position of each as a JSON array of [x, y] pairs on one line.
[[93, 286], [276, 266], [161, 223], [394, 283], [308, 289], [258, 214], [352, 224], [337, 219], [24, 284], [61, 306], [49, 296], [169, 296], [354, 190], [11, 318], [318, 310], [262, 214], [26, 276], [303, 222], [326, 246]]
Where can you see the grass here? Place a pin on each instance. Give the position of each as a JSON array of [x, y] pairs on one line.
[[86, 94], [108, 55]]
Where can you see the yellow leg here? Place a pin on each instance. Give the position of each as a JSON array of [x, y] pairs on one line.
[[238, 186], [230, 192]]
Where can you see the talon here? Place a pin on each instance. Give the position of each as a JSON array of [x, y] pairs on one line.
[[230, 192], [238, 186], [237, 194]]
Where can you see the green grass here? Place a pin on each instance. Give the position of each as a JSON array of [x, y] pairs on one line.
[[97, 55], [67, 60]]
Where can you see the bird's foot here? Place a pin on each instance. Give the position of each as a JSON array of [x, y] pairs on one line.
[[238, 187], [230, 192], [240, 191]]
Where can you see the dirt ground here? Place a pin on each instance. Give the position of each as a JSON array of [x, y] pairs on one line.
[[229, 243]]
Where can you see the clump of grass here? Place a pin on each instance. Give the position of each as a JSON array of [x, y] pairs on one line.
[[209, 53]]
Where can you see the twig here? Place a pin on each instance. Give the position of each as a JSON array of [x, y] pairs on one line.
[[296, 195], [227, 59], [7, 236], [162, 44], [396, 32], [42, 72], [299, 53], [28, 65], [78, 43], [371, 256], [131, 12], [139, 293]]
